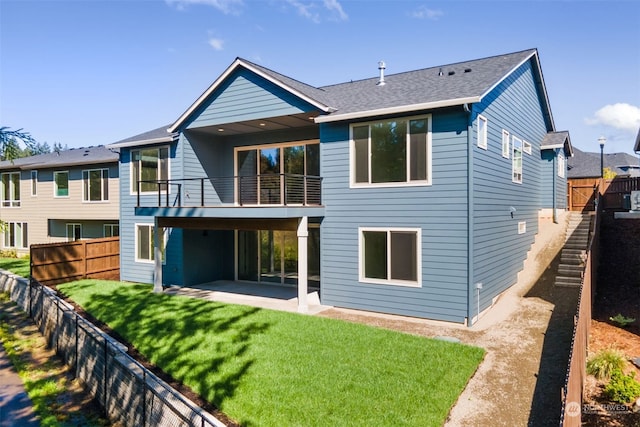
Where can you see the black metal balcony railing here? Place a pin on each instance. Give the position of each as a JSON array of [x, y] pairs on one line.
[[268, 189]]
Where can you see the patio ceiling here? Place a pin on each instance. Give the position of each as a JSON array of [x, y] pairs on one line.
[[260, 125]]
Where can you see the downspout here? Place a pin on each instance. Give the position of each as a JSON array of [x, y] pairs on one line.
[[554, 173], [470, 287]]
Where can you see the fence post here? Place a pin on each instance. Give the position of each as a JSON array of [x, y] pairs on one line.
[[76, 346], [104, 383]]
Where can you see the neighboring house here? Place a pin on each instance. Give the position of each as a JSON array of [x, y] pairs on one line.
[[417, 193], [585, 164], [636, 147], [60, 196]]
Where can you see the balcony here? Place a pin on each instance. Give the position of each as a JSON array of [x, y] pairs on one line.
[[255, 190]]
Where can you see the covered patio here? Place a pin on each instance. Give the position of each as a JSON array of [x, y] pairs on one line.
[[274, 297]]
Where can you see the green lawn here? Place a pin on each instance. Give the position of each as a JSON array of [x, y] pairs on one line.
[[19, 266], [270, 368]]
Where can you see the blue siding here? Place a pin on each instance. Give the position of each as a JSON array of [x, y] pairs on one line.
[[142, 272], [246, 96], [208, 256], [498, 250], [443, 294]]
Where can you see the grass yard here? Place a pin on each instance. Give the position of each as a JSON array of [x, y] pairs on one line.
[[270, 368], [19, 266]]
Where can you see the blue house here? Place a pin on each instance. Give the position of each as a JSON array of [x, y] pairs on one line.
[[417, 193]]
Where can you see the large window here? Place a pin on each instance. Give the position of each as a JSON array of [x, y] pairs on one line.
[[95, 184], [390, 256], [144, 243], [278, 173], [16, 235], [150, 164], [391, 152], [74, 232], [61, 184], [517, 160], [11, 189]]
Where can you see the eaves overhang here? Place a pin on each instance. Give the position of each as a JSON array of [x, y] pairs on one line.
[[396, 110], [135, 143]]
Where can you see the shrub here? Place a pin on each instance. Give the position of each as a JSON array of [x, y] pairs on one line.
[[604, 363], [8, 253], [622, 321], [622, 388]]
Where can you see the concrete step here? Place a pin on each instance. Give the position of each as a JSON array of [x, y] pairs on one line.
[[571, 245], [570, 270], [565, 281]]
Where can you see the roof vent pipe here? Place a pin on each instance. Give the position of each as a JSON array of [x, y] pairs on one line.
[[381, 67]]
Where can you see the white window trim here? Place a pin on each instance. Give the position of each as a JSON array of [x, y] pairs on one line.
[[132, 180], [483, 138], [66, 230], [506, 144], [55, 186], [12, 224], [13, 202], [526, 147], [394, 282], [34, 180], [515, 139], [352, 157], [562, 165], [522, 227], [102, 199], [135, 234]]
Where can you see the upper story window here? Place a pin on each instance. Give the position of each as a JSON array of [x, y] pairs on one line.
[[34, 183], [392, 152], [505, 144], [526, 147], [562, 166], [517, 160], [95, 184], [149, 164], [482, 132], [61, 184], [10, 189]]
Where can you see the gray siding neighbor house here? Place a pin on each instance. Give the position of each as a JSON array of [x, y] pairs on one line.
[[417, 193], [60, 196]]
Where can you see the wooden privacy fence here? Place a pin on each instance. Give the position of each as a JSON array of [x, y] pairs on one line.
[[576, 371], [53, 263], [581, 192]]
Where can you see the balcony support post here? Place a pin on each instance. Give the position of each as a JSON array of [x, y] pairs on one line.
[[157, 256], [303, 235]]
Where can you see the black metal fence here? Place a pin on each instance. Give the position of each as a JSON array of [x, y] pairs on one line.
[[128, 392], [268, 189]]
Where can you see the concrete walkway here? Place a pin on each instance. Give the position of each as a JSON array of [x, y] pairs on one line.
[[16, 409]]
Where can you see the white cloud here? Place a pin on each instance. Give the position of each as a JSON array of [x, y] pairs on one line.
[[423, 12], [619, 116], [312, 11], [335, 6], [224, 6], [215, 43]]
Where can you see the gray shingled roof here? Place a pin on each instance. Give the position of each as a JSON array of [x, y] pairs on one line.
[[557, 140], [159, 134], [72, 157], [425, 85], [587, 165], [637, 146]]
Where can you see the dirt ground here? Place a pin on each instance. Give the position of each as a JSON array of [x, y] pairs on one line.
[[617, 292]]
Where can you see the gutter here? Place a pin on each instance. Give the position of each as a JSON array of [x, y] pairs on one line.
[[470, 276]]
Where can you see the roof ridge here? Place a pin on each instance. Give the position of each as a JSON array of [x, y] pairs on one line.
[[532, 50]]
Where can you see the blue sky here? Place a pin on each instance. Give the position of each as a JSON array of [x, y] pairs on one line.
[[93, 72]]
